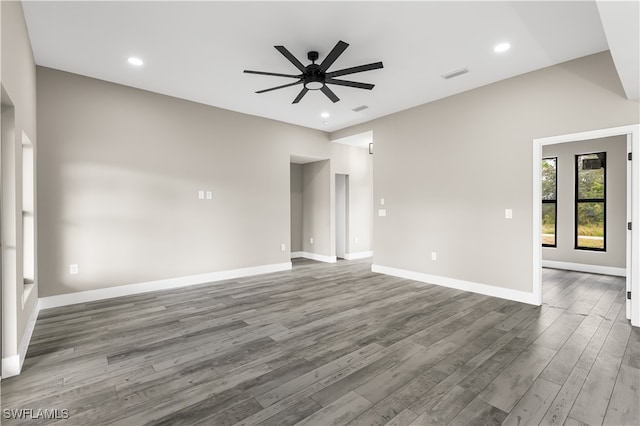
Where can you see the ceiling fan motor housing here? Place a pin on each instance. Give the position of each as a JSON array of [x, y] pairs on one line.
[[314, 77]]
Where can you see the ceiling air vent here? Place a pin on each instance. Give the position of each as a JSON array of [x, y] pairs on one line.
[[454, 73], [360, 108]]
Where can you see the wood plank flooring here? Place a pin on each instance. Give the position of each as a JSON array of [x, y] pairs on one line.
[[335, 344]]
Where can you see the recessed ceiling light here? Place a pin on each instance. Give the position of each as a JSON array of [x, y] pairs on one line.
[[502, 47], [135, 61], [324, 115]]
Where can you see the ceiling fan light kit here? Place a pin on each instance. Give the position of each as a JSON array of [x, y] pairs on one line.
[[315, 76]]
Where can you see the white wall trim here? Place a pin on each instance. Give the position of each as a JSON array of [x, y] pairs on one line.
[[632, 268], [488, 290], [581, 267], [28, 332], [358, 255], [12, 365], [313, 256], [126, 290]]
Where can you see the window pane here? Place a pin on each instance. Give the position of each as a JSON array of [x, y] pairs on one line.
[[591, 225], [549, 224], [548, 178], [591, 176]]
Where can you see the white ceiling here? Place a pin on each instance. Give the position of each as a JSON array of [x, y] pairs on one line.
[[198, 50]]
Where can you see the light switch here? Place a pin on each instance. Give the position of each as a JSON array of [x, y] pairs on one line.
[[209, 195], [508, 213], [201, 195], [382, 201], [73, 269], [283, 247], [382, 212], [311, 240]]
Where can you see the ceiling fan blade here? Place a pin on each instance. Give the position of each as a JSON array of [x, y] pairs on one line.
[[279, 87], [333, 55], [273, 73], [290, 57], [300, 95], [350, 83], [353, 70], [330, 94]]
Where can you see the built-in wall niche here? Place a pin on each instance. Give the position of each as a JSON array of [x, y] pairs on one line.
[[17, 207], [11, 288], [28, 211]]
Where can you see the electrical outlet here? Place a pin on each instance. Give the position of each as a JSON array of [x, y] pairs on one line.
[[311, 240], [382, 212], [355, 240], [434, 255], [283, 247], [73, 269], [201, 195]]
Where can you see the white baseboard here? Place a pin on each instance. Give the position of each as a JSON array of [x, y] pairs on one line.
[[126, 290], [330, 259], [488, 290], [581, 267], [313, 256], [358, 255], [12, 365]]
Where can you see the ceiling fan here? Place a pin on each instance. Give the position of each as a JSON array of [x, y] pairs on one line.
[[316, 77]]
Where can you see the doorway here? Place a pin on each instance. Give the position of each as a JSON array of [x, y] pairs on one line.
[[342, 214], [311, 209], [295, 180], [631, 133]]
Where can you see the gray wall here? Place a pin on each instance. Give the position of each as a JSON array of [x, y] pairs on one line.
[[449, 169], [118, 186], [296, 207], [616, 193], [18, 80]]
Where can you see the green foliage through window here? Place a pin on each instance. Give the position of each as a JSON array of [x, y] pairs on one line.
[[549, 201]]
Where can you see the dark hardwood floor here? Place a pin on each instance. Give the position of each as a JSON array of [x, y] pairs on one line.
[[329, 344]]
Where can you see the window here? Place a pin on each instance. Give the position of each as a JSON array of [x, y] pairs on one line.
[[549, 201], [590, 214]]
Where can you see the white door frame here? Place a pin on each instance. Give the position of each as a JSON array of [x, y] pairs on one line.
[[632, 133]]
